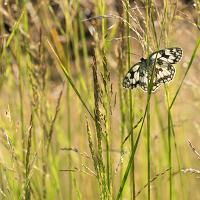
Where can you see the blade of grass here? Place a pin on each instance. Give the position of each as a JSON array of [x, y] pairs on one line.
[[15, 27], [130, 162], [188, 68], [70, 80], [169, 146], [170, 125], [150, 86], [127, 8]]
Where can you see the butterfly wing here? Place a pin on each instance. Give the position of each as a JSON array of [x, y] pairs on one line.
[[164, 70], [136, 76], [163, 74], [168, 55]]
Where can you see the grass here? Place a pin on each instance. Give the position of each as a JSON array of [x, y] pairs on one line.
[[68, 127]]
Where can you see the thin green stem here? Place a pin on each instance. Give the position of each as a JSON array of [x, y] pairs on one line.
[[130, 98], [169, 149], [64, 69], [148, 149], [188, 68], [150, 84], [130, 162]]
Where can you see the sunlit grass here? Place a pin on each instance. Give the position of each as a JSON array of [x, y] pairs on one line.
[[69, 130]]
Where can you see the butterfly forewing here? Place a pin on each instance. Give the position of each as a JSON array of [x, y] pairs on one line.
[[164, 71], [169, 55]]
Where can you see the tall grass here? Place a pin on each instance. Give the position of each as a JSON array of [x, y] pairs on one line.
[[89, 138]]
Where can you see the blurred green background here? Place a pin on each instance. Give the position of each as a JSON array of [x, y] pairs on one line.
[[64, 115]]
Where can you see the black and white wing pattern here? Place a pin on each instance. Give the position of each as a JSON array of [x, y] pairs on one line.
[[136, 76], [161, 61], [168, 55]]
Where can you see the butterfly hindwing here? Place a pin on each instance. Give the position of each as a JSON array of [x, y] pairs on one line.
[[164, 73], [136, 75], [143, 79]]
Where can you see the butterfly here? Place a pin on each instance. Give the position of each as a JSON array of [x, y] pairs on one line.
[[160, 63]]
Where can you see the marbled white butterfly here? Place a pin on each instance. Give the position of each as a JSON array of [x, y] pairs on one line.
[[161, 61]]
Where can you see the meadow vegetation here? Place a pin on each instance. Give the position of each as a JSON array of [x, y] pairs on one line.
[[68, 129]]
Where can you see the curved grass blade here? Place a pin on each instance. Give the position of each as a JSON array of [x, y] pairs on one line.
[[188, 68], [70, 80]]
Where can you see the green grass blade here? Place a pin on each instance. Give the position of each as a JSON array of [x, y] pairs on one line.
[[130, 162], [15, 27], [70, 80], [188, 68]]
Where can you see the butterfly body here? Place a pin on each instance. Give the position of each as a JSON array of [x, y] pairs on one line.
[[159, 63]]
